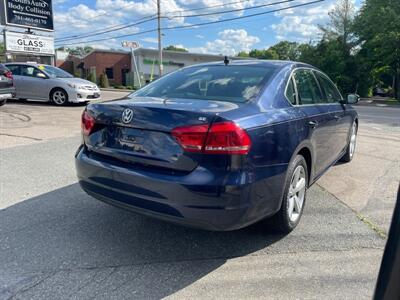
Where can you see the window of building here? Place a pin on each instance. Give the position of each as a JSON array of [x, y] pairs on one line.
[[110, 73]]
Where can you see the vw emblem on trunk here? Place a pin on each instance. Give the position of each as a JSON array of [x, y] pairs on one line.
[[127, 115]]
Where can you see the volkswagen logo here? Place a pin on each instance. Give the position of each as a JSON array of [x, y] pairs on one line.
[[127, 115]]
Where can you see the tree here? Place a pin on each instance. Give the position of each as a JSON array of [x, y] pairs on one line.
[[377, 27], [243, 54], [79, 51], [340, 23], [286, 50], [103, 81], [175, 48]]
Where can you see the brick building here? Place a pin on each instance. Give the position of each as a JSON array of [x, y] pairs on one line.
[[117, 64]]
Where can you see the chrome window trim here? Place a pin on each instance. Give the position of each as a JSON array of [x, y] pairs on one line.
[[295, 87]]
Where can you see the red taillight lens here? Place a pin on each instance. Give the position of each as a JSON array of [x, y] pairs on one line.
[[220, 138], [191, 138], [87, 123], [227, 138], [8, 74]]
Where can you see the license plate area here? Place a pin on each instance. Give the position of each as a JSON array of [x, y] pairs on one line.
[[131, 139]]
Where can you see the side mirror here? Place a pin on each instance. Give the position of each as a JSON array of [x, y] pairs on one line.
[[41, 75], [352, 98]]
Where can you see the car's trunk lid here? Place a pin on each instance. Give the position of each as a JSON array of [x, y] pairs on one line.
[[146, 139]]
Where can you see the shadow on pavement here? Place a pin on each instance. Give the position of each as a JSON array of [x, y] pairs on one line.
[[41, 103], [67, 231]]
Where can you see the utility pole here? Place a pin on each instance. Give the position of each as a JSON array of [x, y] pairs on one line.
[[160, 65]]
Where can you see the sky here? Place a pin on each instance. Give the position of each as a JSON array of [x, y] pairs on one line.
[[73, 18]]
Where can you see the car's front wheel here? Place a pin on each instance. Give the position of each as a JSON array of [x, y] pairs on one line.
[[59, 97], [2, 102], [294, 196]]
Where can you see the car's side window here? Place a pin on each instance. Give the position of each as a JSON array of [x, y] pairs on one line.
[[331, 93], [307, 87], [15, 69], [290, 92], [30, 71]]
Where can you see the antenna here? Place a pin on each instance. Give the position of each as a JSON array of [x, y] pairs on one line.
[[226, 60]]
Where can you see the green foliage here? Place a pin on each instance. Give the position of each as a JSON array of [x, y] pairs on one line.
[[103, 81], [358, 52], [78, 51], [174, 48], [378, 29], [286, 50], [92, 77]]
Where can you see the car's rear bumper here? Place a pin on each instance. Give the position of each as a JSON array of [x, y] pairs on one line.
[[190, 199]]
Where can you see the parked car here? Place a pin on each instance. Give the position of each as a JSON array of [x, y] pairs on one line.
[[48, 83], [218, 146], [6, 85], [377, 91]]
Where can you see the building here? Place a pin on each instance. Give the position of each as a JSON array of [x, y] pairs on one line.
[[118, 64]]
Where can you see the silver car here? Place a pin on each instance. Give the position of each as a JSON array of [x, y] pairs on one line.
[[48, 83]]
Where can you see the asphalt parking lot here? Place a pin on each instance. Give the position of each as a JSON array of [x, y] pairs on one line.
[[56, 242]]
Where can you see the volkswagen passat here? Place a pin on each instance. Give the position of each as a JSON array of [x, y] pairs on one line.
[[48, 83], [218, 146]]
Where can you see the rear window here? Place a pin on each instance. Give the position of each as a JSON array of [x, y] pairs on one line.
[[220, 83]]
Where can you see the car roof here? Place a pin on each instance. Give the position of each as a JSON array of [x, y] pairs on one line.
[[258, 62], [25, 63]]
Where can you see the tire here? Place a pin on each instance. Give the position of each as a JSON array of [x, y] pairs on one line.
[[293, 201], [351, 147], [59, 97], [2, 102]]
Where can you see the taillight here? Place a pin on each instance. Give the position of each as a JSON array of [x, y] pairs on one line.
[[8, 74], [191, 138], [220, 138], [88, 123]]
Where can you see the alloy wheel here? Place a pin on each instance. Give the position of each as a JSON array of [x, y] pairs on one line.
[[59, 97], [296, 195], [353, 139]]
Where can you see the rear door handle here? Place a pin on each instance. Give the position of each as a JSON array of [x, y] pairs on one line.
[[313, 124]]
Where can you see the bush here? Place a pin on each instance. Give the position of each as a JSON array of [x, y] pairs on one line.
[[103, 81], [92, 77]]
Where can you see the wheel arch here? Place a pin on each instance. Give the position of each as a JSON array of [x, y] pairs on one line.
[[57, 88], [305, 150]]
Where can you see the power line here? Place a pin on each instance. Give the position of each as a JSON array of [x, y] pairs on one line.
[[140, 21], [111, 29], [199, 24], [231, 10]]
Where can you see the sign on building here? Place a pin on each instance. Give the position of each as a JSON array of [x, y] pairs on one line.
[[22, 42], [37, 14], [132, 45]]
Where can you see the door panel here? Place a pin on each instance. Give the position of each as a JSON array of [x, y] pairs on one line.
[[31, 86], [320, 118]]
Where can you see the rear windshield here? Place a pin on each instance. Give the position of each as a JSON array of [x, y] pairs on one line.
[[220, 83]]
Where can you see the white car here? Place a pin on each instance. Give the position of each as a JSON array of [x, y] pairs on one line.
[[47, 83]]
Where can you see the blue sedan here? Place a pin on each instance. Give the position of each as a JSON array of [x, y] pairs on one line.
[[218, 146]]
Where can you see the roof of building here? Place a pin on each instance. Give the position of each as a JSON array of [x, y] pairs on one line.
[[154, 51]]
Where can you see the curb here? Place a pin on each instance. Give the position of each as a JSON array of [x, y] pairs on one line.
[[116, 90]]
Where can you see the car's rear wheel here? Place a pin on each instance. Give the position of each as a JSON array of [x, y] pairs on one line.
[[59, 97], [351, 147], [2, 102], [294, 196]]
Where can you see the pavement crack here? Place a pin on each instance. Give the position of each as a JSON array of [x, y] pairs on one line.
[[21, 136], [379, 231]]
